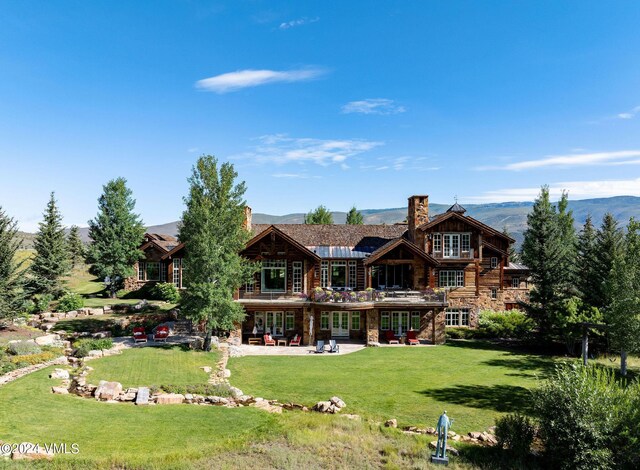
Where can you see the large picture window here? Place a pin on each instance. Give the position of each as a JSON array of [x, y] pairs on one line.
[[153, 271], [451, 278], [338, 274], [274, 275]]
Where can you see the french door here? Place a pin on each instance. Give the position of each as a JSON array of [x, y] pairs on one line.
[[339, 324]]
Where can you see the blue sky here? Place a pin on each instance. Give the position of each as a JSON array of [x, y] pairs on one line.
[[317, 102]]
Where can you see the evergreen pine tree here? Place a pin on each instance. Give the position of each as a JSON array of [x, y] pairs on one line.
[[569, 243], [354, 217], [116, 235], [321, 215], [586, 261], [513, 254], [607, 246], [76, 247], [51, 260], [11, 271], [213, 234], [543, 253], [623, 313]]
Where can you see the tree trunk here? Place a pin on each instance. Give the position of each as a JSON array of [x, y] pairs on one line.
[[623, 363], [207, 341], [585, 346]]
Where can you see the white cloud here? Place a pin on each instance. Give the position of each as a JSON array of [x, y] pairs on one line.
[[291, 175], [233, 81], [298, 22], [629, 114], [576, 189], [624, 157], [280, 149], [373, 106]]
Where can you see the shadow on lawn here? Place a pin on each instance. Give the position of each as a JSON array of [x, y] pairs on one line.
[[503, 398], [527, 366]]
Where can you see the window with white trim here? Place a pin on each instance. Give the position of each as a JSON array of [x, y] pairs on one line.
[[353, 275], [437, 243], [338, 274], [248, 287], [177, 278], [515, 282], [415, 321], [152, 271], [465, 242], [451, 278], [355, 320], [399, 322], [274, 275], [324, 321], [494, 293], [163, 273], [141, 271], [384, 321], [297, 276], [494, 262], [324, 274], [290, 321], [457, 317], [451, 245]]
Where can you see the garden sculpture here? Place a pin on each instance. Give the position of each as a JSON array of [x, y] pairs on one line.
[[442, 428]]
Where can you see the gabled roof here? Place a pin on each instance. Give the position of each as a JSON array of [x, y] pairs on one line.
[[287, 238], [161, 240], [516, 267], [173, 251], [494, 248], [391, 245], [438, 219]]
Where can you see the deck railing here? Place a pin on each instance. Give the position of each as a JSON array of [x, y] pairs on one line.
[[372, 295]]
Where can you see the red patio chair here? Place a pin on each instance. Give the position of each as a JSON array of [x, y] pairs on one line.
[[161, 334], [139, 335], [391, 338], [269, 341], [411, 338], [295, 341]]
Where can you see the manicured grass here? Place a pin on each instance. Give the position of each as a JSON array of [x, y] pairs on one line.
[[473, 381], [154, 366]]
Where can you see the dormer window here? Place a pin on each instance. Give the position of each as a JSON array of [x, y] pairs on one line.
[[454, 245]]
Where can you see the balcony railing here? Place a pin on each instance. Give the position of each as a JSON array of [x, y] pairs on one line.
[[460, 255], [371, 295]]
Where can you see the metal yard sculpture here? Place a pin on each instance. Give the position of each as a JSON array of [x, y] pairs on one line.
[[442, 428]]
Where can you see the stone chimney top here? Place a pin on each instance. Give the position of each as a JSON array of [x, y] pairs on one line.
[[417, 214]]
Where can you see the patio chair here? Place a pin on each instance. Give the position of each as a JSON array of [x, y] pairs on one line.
[[295, 341], [269, 341], [139, 335], [161, 334], [333, 346], [391, 338], [412, 338], [319, 347]]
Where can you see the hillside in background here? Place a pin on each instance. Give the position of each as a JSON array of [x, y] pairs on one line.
[[513, 215]]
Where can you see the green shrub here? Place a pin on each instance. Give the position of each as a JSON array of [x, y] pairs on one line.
[[462, 333], [22, 348], [218, 390], [583, 412], [42, 302], [83, 346], [69, 302], [29, 306], [33, 359], [515, 433], [507, 324], [6, 367], [165, 291]]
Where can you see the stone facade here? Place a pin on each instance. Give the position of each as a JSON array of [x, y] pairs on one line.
[[373, 325]]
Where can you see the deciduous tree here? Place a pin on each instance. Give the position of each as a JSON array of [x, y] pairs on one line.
[[213, 234], [116, 235], [321, 215]]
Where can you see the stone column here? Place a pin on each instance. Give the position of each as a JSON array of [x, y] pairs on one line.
[[235, 335], [372, 326]]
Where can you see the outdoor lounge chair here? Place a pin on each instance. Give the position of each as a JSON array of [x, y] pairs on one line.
[[333, 346], [391, 338], [295, 341], [411, 338], [319, 347], [139, 335], [269, 341], [161, 334]]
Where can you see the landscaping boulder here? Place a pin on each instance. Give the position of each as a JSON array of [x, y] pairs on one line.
[[101, 334], [391, 423], [95, 353], [108, 390], [266, 406], [338, 402], [322, 406], [206, 369], [31, 452], [60, 390], [475, 435], [170, 399], [488, 439], [226, 373], [235, 351], [97, 311], [373, 344], [235, 392], [59, 374], [71, 314], [142, 397]]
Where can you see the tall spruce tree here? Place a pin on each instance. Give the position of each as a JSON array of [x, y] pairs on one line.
[[116, 235], [354, 217], [543, 252], [513, 254], [586, 278], [11, 271], [213, 235], [51, 260], [569, 244], [607, 247], [623, 313], [320, 215], [75, 246]]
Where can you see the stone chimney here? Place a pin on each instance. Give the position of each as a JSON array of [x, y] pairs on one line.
[[247, 218], [418, 214]]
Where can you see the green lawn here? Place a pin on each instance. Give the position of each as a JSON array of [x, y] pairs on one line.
[[154, 366], [473, 381]]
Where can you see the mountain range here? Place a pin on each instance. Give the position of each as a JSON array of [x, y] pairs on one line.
[[512, 215]]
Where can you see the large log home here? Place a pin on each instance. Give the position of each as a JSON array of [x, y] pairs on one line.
[[358, 282]]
